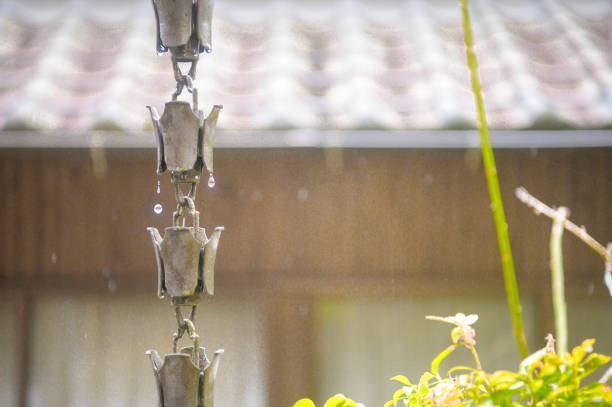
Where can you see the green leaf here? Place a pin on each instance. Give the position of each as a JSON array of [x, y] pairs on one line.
[[351, 403], [435, 364], [593, 362], [398, 393], [304, 403], [402, 379], [425, 378], [579, 352], [504, 397], [336, 401], [423, 390], [503, 379], [561, 390]]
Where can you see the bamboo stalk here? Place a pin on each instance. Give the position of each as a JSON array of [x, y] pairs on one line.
[[501, 227], [558, 280]]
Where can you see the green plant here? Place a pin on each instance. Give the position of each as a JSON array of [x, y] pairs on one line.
[[544, 378], [560, 222], [497, 207], [339, 400]]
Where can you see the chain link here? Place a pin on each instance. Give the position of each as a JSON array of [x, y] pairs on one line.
[[182, 324], [185, 202]]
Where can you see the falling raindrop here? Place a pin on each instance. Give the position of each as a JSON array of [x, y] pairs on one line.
[[211, 181], [53, 258], [158, 190], [158, 208]]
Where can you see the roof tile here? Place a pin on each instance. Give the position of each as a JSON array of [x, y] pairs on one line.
[[343, 64]]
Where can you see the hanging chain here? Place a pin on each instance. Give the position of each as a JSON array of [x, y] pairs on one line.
[[184, 58], [186, 204], [183, 325]]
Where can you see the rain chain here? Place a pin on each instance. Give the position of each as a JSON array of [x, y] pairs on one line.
[[185, 255]]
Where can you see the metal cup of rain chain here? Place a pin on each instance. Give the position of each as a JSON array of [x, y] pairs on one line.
[[185, 262], [183, 383], [184, 28], [184, 139]]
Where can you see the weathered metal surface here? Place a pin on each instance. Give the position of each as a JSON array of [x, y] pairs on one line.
[[184, 139], [181, 256], [183, 27], [177, 378], [207, 385], [177, 134], [210, 253], [178, 255], [174, 22], [185, 262], [157, 239], [210, 127], [204, 24], [180, 382], [203, 360]]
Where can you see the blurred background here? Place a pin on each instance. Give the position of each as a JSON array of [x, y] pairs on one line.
[[349, 182]]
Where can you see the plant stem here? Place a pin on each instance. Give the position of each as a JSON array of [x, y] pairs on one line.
[[580, 232], [501, 227], [558, 284], [476, 358]]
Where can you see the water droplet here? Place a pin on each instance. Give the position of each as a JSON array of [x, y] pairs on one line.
[[158, 208], [53, 258], [158, 190], [211, 181]]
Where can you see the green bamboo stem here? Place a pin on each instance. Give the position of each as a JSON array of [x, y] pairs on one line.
[[501, 227], [558, 283]]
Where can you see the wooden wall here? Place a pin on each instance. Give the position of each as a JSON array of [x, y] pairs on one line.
[[301, 224], [293, 217]]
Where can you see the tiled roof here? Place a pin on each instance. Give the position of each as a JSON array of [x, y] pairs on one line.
[[338, 64]]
